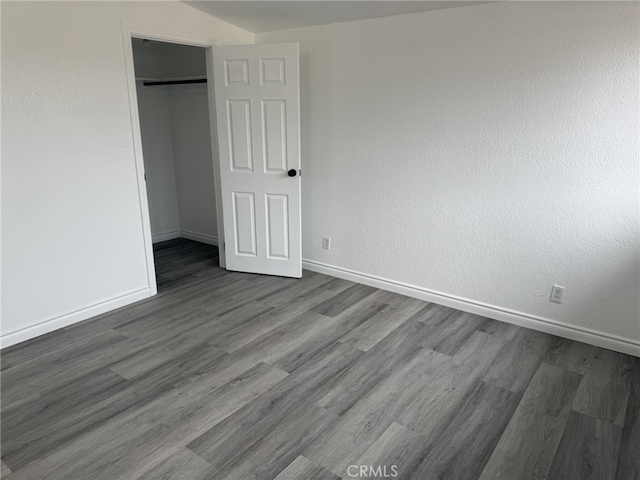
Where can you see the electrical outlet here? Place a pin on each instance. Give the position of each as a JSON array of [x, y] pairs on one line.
[[326, 243], [556, 294]]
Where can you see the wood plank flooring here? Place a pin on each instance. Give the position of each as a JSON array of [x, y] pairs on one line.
[[235, 376]]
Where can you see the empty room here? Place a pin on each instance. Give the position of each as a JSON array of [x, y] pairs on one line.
[[320, 240]]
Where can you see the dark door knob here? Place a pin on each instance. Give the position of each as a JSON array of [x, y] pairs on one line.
[[292, 173]]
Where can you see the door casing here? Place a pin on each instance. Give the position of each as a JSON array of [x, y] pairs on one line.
[[130, 31]]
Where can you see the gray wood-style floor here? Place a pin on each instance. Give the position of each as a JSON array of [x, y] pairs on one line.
[[236, 376]]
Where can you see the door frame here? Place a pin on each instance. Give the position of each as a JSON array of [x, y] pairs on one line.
[[130, 31]]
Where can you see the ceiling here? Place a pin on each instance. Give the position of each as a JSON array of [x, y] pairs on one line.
[[269, 16]]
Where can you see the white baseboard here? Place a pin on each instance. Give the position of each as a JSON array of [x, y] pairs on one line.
[[74, 317], [163, 237], [554, 327], [189, 235], [65, 320], [199, 237]]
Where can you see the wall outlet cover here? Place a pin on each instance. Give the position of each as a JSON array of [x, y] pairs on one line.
[[556, 294]]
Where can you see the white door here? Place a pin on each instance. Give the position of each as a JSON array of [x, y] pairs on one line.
[[258, 120]]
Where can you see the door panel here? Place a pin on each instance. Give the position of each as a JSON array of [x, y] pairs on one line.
[[274, 123], [239, 113], [258, 119], [244, 211], [278, 226]]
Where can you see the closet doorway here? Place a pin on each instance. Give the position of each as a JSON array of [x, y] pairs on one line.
[[173, 109]]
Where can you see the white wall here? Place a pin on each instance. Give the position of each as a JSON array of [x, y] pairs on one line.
[[72, 241], [193, 161], [484, 153], [166, 60], [157, 147]]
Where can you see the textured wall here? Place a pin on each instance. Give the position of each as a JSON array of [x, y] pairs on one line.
[[487, 152], [71, 220]]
